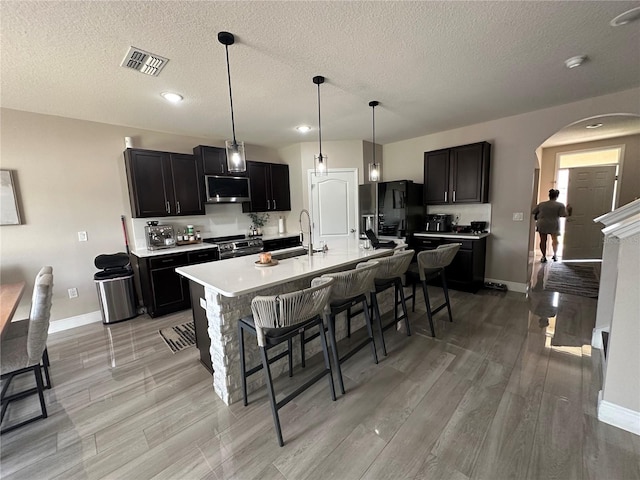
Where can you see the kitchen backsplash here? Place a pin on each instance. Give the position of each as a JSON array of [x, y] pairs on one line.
[[220, 221], [465, 213]]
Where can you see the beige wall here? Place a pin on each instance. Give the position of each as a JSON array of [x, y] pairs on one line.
[[629, 181], [514, 142]]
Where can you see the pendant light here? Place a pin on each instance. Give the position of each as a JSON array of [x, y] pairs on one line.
[[374, 168], [320, 160], [236, 161]]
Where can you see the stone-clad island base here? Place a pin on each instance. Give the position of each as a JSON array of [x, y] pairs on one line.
[[229, 287]]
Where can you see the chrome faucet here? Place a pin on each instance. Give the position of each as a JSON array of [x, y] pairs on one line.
[[302, 234]]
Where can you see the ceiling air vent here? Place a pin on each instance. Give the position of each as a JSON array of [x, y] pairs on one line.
[[144, 62]]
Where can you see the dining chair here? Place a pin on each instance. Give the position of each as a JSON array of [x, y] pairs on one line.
[[23, 354], [20, 328], [350, 289], [279, 318], [431, 265], [389, 274]]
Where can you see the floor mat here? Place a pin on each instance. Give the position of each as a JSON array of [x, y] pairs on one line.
[[573, 279], [179, 337]]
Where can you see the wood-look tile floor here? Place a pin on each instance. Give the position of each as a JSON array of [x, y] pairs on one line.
[[501, 393]]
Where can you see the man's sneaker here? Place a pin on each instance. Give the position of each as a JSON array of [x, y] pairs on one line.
[[544, 260]]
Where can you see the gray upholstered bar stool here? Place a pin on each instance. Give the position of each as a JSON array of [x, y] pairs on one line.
[[350, 289], [390, 275], [431, 265], [278, 319], [24, 353]]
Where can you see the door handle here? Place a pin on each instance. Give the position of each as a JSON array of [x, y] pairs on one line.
[[445, 197], [178, 207], [353, 230], [268, 204], [454, 196], [168, 208], [274, 204]]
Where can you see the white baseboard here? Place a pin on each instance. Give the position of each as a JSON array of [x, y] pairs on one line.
[[77, 321], [511, 286], [618, 416]]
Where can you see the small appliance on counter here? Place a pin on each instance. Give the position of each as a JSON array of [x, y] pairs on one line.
[[478, 227], [159, 236], [438, 222]]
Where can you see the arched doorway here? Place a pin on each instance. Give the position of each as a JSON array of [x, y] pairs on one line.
[[608, 140]]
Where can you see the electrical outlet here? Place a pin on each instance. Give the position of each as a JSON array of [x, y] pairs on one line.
[[518, 216], [73, 292], [82, 236]]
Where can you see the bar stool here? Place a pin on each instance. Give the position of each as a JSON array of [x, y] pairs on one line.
[[350, 289], [278, 319], [389, 275], [431, 264]]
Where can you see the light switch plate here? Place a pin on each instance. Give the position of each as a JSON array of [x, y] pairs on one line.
[[518, 216], [203, 303], [82, 236]]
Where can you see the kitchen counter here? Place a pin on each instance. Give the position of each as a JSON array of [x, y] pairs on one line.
[[240, 276], [143, 252], [221, 294], [461, 236]]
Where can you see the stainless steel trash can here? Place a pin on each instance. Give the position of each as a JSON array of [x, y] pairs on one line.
[[116, 292]]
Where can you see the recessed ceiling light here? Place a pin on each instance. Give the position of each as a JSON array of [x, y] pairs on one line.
[[303, 128], [626, 17], [594, 125], [576, 61], [172, 97]]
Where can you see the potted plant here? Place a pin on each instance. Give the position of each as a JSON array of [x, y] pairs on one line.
[[258, 220]]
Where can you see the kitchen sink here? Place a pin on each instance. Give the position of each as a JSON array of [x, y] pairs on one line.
[[290, 254]]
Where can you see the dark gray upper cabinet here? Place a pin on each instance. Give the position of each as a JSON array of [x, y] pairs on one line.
[[214, 160], [163, 184], [269, 185], [457, 175]]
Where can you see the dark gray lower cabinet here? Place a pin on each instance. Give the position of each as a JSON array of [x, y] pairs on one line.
[[201, 324], [163, 290], [466, 271], [280, 243]]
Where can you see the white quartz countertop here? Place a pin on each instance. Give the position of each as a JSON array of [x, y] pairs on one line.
[[461, 236], [238, 276], [143, 252]]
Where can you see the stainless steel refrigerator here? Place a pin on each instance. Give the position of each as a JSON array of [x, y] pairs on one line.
[[397, 206]]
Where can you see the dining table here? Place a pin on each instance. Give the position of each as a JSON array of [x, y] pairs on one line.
[[10, 295]]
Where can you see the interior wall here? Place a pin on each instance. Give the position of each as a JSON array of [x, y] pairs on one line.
[[629, 175], [70, 177], [514, 142]]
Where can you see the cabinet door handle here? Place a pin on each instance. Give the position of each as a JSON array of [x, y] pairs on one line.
[[274, 204], [445, 197], [168, 208], [178, 207], [454, 196], [268, 204]]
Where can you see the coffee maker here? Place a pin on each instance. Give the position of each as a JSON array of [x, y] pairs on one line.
[[438, 222], [159, 236]]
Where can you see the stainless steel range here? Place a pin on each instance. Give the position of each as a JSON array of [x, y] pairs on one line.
[[236, 245]]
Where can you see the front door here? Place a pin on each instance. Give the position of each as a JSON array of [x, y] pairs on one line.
[[334, 204], [590, 193]]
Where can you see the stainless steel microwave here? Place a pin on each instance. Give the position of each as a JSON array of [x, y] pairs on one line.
[[221, 189]]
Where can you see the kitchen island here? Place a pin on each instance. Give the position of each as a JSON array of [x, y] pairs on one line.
[[223, 291]]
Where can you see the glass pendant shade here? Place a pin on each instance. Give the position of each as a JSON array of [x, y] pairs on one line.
[[236, 161], [374, 172], [320, 164]]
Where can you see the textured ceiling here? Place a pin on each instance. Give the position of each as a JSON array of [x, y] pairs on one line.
[[432, 65]]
